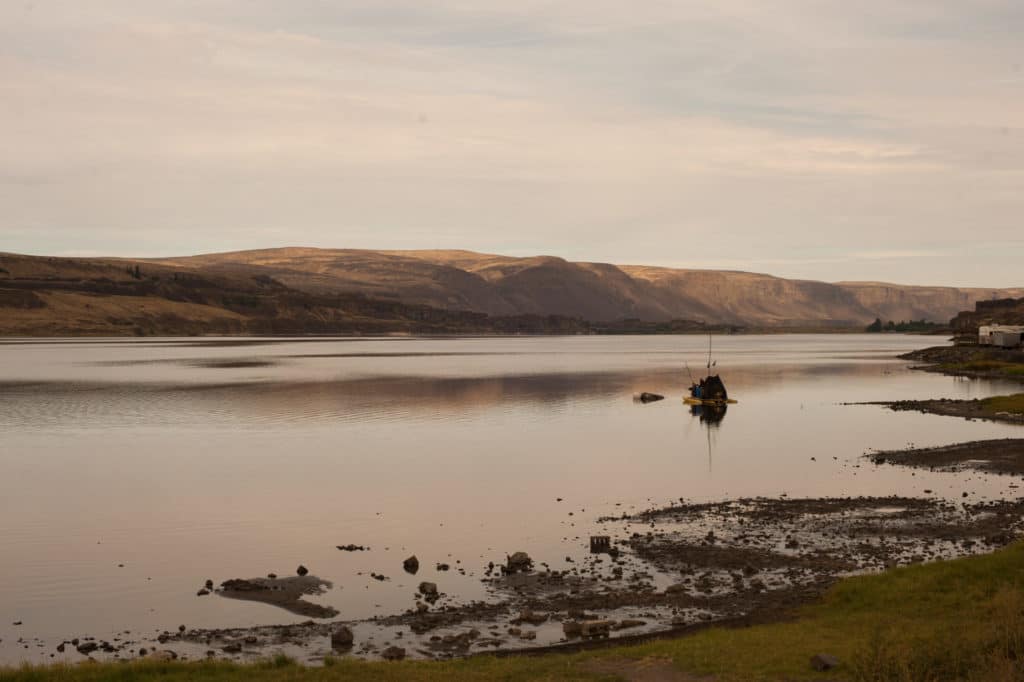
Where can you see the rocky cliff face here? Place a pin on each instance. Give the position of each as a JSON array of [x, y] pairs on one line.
[[999, 311]]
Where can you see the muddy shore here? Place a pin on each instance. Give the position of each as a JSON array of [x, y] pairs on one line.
[[664, 571], [998, 456], [966, 409]]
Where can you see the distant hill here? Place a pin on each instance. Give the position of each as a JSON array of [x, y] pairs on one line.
[[302, 290], [546, 285]]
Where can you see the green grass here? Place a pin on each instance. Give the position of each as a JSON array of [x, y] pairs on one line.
[[1005, 403], [955, 620], [997, 367]]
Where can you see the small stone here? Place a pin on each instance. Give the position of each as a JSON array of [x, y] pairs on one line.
[[411, 565], [302, 570], [165, 655], [822, 662], [203, 592], [233, 648], [209, 584], [428, 589]]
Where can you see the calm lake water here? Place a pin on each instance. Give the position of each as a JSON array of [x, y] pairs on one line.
[[133, 470]]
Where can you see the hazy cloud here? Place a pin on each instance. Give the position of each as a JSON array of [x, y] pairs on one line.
[[829, 139]]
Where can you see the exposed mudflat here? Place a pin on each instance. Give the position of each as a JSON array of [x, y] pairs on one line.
[[998, 456], [665, 571]]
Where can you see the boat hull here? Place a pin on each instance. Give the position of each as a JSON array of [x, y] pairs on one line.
[[699, 401]]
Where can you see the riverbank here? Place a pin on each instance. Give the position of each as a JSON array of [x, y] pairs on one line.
[[1008, 408], [998, 456], [949, 620], [976, 362]]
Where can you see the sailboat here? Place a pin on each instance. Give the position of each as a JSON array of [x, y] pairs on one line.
[[711, 389]]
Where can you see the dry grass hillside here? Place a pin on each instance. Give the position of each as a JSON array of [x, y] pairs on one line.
[[42, 296], [546, 285]]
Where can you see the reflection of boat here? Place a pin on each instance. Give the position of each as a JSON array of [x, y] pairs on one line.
[[710, 413]]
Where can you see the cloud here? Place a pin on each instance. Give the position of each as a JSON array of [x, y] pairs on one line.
[[598, 130]]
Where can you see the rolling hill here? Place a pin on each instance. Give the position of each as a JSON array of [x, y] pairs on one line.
[[547, 285], [304, 290]]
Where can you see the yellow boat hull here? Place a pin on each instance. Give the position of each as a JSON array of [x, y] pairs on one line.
[[699, 401]]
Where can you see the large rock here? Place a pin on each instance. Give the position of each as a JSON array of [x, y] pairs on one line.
[[342, 637], [393, 653], [86, 648], [519, 562], [411, 565]]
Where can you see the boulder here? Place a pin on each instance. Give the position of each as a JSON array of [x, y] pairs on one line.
[[302, 570], [519, 562], [342, 637], [411, 565], [393, 653]]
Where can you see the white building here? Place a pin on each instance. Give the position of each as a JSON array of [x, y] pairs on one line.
[[1002, 335]]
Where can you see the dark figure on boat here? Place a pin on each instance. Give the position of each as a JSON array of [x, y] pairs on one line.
[[709, 388]]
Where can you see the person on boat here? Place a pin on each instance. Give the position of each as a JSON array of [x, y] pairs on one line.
[[697, 390], [710, 388]]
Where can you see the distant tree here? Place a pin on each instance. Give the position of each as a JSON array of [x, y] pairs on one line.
[[875, 326]]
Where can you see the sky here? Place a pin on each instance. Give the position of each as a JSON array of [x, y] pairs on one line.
[[819, 139]]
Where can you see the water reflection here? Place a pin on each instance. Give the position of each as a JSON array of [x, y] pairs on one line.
[[710, 415]]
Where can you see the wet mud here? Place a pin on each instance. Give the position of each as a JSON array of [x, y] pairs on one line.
[[663, 572], [997, 456]]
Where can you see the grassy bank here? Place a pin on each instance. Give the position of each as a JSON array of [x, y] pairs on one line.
[[990, 368], [1013, 404], [960, 619]]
